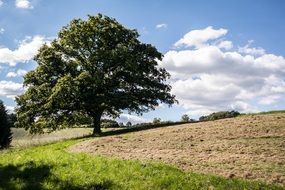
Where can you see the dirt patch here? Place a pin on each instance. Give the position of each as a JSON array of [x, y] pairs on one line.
[[251, 147]]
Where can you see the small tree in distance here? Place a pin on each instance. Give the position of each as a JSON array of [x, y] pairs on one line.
[[5, 130], [185, 118], [156, 120], [94, 67]]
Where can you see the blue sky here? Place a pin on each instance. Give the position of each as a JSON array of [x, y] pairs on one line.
[[234, 59]]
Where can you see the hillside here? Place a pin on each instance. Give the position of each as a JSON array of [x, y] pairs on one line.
[[251, 146]]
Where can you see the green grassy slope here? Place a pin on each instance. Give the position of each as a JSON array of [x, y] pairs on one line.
[[52, 167], [22, 138]]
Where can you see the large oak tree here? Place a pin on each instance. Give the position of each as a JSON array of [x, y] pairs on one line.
[[94, 67]]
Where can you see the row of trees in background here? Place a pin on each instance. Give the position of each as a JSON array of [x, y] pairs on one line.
[[109, 123], [219, 115]]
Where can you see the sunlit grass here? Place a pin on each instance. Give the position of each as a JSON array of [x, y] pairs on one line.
[[22, 138]]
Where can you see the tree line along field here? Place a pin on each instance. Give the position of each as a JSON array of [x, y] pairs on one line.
[[246, 152]]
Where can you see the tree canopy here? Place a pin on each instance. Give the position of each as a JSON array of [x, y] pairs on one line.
[[94, 67]]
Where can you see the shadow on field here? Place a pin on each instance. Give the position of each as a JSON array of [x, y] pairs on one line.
[[33, 176]]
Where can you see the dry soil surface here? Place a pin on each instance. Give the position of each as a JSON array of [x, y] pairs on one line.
[[251, 147]]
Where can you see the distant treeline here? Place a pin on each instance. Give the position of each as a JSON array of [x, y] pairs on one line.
[[219, 115], [108, 123]]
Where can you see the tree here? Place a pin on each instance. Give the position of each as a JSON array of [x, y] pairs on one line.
[[156, 120], [5, 131], [185, 118], [94, 67]]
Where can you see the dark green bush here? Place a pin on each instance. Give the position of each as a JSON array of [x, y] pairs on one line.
[[5, 130]]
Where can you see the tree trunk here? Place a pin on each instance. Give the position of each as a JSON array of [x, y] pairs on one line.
[[96, 124]]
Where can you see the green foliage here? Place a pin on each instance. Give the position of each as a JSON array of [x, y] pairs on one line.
[[52, 167], [108, 123], [219, 115], [94, 67], [185, 118], [5, 130], [156, 120]]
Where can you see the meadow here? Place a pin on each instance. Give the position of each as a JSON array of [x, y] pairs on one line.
[[206, 155], [22, 138]]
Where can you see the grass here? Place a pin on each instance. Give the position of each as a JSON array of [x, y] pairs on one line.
[[52, 167], [22, 138], [250, 147]]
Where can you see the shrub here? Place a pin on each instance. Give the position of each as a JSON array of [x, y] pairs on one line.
[[5, 130]]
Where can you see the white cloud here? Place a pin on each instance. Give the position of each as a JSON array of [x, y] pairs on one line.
[[212, 77], [268, 100], [26, 50], [19, 72], [251, 51], [227, 45], [10, 89], [2, 29], [162, 25], [132, 118], [199, 38], [23, 4], [1, 3]]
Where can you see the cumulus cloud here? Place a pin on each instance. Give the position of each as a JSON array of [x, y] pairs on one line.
[[19, 72], [199, 38], [2, 29], [10, 89], [227, 45], [124, 118], [162, 25], [23, 4], [25, 51], [251, 50], [212, 77]]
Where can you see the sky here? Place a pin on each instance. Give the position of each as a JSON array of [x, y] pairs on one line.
[[222, 55]]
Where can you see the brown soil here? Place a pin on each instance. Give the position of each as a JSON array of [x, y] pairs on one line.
[[251, 146]]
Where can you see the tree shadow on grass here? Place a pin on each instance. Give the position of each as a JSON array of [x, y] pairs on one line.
[[30, 176]]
